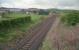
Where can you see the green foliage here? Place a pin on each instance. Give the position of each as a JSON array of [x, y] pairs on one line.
[[3, 15], [14, 22], [18, 22], [71, 18]]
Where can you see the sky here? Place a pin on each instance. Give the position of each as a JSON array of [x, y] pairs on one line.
[[44, 4]]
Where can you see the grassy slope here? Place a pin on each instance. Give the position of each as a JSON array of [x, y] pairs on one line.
[[13, 33]]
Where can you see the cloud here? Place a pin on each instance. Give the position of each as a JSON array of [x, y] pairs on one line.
[[62, 4], [20, 4], [71, 4]]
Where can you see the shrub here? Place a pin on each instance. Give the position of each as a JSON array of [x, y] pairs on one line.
[[13, 22], [70, 18], [3, 15]]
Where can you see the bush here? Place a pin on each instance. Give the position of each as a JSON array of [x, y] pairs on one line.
[[70, 18], [13, 22]]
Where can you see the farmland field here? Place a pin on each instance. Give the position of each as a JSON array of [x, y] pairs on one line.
[[13, 32]]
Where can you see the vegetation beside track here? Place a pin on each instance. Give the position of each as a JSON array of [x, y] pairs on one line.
[[12, 31], [71, 18], [65, 35]]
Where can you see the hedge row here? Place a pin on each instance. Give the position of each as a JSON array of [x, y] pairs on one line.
[[14, 22]]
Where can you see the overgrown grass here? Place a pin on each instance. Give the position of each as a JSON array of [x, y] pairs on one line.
[[62, 37], [9, 34], [70, 19], [46, 45]]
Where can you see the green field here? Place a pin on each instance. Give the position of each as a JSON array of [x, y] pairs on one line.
[[9, 34]]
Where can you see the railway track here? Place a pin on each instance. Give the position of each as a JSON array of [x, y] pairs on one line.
[[33, 41]]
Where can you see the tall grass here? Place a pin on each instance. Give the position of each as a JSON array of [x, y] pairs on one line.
[[16, 25]]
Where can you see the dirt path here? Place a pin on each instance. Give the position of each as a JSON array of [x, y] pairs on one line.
[[47, 45], [61, 38]]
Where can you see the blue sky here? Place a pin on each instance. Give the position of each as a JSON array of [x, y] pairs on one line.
[[62, 4]]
